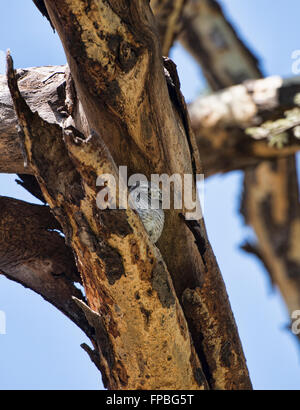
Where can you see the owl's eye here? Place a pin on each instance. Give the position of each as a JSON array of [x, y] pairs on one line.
[[152, 217]]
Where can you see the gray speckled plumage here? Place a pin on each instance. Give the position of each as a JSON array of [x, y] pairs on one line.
[[140, 200]]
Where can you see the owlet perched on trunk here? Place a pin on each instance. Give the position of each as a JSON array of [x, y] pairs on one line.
[[153, 218]]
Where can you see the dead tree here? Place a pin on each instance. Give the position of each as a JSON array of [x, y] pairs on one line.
[[158, 316], [262, 120]]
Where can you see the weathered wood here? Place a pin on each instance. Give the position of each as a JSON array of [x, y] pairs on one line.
[[271, 206], [40, 4], [231, 125], [219, 121], [128, 287], [212, 40], [120, 82], [33, 253], [43, 89], [168, 16], [270, 202], [223, 373], [193, 318]]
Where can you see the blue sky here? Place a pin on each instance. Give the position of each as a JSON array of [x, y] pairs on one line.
[[41, 349]]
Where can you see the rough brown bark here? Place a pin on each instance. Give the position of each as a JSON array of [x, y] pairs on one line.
[[219, 121], [270, 187], [119, 90], [127, 284], [47, 99], [216, 357], [168, 15], [59, 101], [134, 122], [229, 125], [215, 44], [271, 206], [119, 80], [33, 253]]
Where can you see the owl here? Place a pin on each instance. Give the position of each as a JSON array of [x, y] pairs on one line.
[[153, 218]]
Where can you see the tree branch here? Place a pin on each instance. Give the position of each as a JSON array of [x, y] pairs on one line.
[[168, 14], [219, 120], [120, 81], [245, 124], [60, 85], [122, 310], [271, 206], [212, 40], [105, 116], [40, 4], [43, 89], [270, 199], [33, 253]]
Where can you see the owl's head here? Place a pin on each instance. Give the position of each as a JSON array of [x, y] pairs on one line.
[[145, 195]]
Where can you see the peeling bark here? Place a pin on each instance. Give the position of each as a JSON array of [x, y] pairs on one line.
[[271, 206], [215, 44], [168, 15], [118, 91], [127, 284], [40, 4], [119, 79], [48, 99], [60, 83], [33, 253], [270, 202], [120, 83], [221, 122]]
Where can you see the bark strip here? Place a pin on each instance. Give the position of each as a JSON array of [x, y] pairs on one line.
[[44, 90], [130, 294], [219, 121], [270, 200], [168, 15], [34, 254], [119, 79], [245, 124], [212, 40]]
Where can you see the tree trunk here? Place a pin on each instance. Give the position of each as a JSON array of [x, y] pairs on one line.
[[161, 314], [270, 196]]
